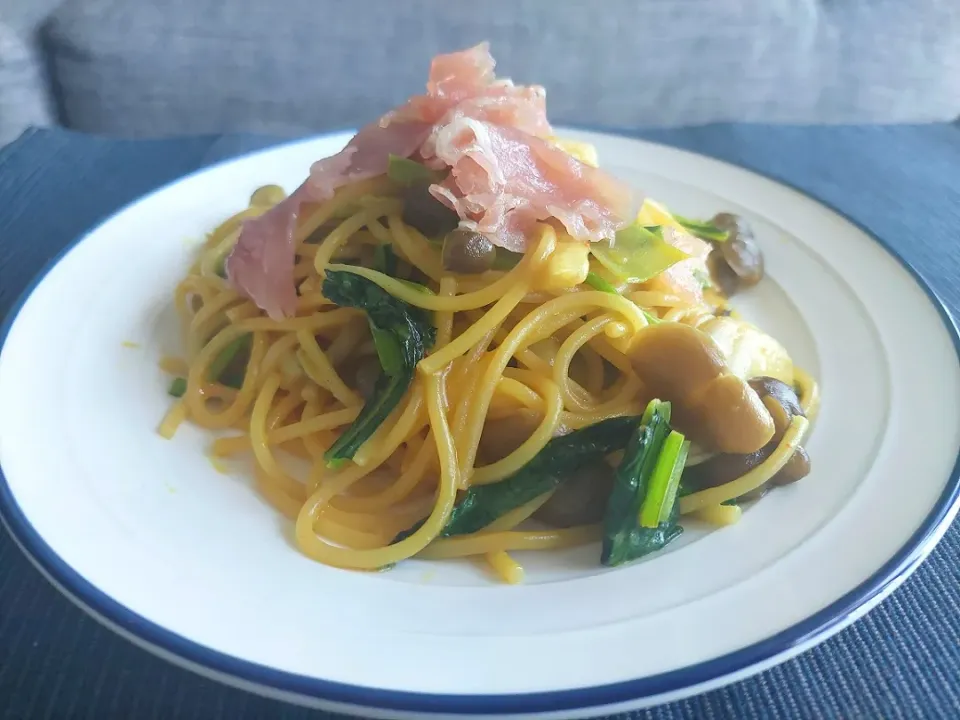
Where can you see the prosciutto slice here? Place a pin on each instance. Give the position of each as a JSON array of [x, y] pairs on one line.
[[503, 181], [462, 84], [260, 265], [504, 173]]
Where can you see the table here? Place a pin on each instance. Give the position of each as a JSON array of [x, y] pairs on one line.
[[902, 660]]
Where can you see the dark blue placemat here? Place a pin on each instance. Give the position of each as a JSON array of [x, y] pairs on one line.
[[902, 660]]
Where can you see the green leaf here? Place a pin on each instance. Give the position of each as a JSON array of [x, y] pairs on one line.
[[405, 171], [624, 538], [703, 229], [637, 254], [389, 350], [555, 463], [402, 335]]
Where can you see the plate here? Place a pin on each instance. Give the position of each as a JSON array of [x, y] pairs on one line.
[[188, 562]]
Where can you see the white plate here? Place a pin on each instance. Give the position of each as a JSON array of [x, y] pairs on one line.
[[193, 565]]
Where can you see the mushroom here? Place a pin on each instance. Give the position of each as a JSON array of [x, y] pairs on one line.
[[797, 467], [367, 375], [580, 500], [468, 252], [710, 405], [737, 262], [423, 211], [780, 400], [783, 404], [502, 436]]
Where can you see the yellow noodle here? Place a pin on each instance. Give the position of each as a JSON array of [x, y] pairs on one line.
[[173, 419], [416, 248], [537, 439], [232, 445], [316, 364], [448, 288], [335, 240], [193, 396], [370, 559], [506, 568], [719, 514], [342, 199], [540, 323], [755, 477], [468, 301], [483, 542], [509, 520]]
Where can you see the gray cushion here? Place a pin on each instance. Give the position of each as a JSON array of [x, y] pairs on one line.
[[294, 66], [23, 92]]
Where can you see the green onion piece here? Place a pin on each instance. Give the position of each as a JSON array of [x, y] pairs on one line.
[[178, 387], [662, 490], [405, 171], [598, 283], [637, 254], [702, 229]]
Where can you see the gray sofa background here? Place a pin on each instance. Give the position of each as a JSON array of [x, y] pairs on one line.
[[290, 67]]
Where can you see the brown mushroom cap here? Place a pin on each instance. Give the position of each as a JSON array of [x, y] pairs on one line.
[[718, 410], [737, 262], [580, 500], [502, 436], [782, 402]]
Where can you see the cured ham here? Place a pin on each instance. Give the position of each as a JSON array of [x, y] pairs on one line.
[[462, 84], [490, 136], [261, 263], [503, 180]]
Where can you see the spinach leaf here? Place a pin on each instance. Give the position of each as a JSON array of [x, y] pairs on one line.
[[624, 537], [402, 335], [557, 461]]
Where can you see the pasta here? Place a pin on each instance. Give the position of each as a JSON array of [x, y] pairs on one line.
[[449, 397]]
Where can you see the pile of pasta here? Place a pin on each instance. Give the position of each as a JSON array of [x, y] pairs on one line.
[[532, 340]]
